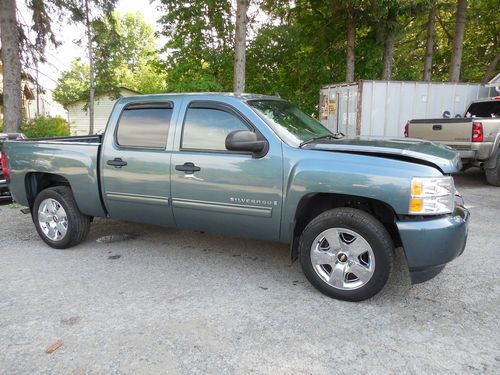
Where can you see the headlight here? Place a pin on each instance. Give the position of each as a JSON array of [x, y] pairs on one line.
[[432, 195]]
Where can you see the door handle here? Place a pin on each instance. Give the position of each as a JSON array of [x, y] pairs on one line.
[[187, 168], [117, 163]]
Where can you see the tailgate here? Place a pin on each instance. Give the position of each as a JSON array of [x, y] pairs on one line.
[[444, 130]]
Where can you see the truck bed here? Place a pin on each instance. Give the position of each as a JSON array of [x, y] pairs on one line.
[[74, 158]]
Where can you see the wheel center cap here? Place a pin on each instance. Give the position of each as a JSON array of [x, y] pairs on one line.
[[342, 257]]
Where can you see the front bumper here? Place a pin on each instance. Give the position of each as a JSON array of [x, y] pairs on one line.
[[431, 243]]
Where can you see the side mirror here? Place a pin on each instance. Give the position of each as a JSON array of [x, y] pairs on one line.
[[245, 140]]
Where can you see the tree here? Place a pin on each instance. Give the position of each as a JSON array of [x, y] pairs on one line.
[[303, 44], [351, 43], [458, 41], [491, 68], [200, 44], [429, 45], [124, 55], [11, 67], [389, 42], [15, 35], [240, 46], [73, 84]]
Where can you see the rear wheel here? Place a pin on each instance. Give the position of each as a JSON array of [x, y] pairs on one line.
[[493, 175], [57, 218], [346, 254]]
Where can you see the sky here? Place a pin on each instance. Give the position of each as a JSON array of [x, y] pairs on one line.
[[59, 59]]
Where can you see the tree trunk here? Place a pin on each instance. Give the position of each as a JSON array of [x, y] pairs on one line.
[[351, 43], [491, 69], [11, 61], [429, 46], [390, 40], [91, 69], [458, 41], [240, 46]]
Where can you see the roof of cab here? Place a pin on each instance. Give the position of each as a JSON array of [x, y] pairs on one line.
[[243, 96], [490, 99]]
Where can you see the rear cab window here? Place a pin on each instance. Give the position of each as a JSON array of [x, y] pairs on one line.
[[484, 109], [144, 125]]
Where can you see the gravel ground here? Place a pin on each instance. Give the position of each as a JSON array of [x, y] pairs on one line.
[[151, 300]]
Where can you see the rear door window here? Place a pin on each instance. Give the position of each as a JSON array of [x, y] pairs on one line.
[[144, 126]]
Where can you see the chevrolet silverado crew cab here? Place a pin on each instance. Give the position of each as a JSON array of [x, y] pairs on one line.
[[251, 166], [476, 136]]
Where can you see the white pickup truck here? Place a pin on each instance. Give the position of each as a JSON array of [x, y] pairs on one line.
[[476, 136]]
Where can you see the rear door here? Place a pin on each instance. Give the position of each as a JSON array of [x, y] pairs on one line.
[[136, 164], [217, 190]]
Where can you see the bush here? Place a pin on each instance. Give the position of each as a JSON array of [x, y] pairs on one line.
[[42, 127]]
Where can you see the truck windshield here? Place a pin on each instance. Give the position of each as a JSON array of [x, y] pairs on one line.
[[290, 123], [484, 109]]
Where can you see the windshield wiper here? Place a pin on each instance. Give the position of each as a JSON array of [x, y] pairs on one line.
[[327, 136]]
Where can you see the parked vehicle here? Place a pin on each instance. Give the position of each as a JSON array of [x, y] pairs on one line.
[[251, 166], [4, 189], [476, 136], [381, 108]]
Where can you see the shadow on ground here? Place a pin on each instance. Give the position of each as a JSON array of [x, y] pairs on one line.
[[473, 177]]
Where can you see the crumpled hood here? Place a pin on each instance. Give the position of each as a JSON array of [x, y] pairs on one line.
[[441, 156]]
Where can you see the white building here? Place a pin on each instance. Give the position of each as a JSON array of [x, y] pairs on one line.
[[78, 115]]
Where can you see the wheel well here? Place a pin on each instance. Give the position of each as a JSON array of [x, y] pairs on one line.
[[312, 205], [38, 181]]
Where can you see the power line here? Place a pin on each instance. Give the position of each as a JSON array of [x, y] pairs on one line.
[[31, 68]]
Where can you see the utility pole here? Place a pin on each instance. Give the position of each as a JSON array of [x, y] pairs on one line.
[[37, 90], [91, 69]]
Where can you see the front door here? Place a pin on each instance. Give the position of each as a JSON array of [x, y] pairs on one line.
[[216, 190], [136, 165]]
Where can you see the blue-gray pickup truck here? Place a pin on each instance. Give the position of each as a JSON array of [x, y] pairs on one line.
[[251, 166]]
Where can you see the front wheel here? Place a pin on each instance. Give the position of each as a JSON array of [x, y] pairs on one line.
[[57, 218], [346, 254]]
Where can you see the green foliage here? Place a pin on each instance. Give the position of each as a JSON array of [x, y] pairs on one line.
[[73, 84], [200, 44], [44, 13], [42, 127], [301, 44], [481, 42], [124, 55]]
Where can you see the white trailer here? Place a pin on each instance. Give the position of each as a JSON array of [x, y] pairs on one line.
[[382, 108]]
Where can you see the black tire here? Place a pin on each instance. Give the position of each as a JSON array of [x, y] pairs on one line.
[[493, 175], [370, 229], [78, 224]]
